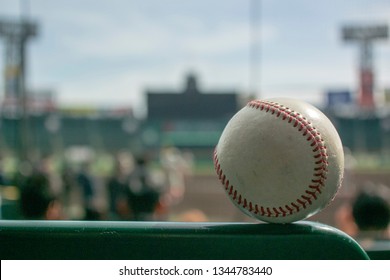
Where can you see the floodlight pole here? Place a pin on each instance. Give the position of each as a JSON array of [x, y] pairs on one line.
[[16, 35], [255, 49], [366, 80], [365, 36]]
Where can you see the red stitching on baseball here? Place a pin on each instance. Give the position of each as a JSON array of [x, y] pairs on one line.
[[276, 211], [290, 210], [319, 171], [283, 211], [262, 211]]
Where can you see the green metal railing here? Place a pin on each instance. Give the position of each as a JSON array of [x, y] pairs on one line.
[[166, 240]]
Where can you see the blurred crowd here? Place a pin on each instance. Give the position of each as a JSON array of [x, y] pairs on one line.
[[365, 211], [366, 217], [146, 187], [125, 187]]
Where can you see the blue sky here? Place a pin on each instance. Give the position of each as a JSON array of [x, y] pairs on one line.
[[107, 53]]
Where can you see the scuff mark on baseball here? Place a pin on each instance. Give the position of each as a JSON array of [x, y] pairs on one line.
[[280, 160]]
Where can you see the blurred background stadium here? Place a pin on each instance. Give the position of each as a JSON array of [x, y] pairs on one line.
[[89, 84]]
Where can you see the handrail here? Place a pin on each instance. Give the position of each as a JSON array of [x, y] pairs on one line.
[[169, 240]]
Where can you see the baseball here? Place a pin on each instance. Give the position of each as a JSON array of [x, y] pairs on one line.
[[280, 160]]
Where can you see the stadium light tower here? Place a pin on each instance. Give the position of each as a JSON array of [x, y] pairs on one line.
[[255, 49], [16, 34], [365, 36]]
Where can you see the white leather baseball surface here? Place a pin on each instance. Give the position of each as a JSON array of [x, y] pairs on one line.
[[280, 160]]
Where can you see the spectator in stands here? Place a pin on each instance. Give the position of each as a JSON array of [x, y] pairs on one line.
[[119, 193], [177, 166], [37, 199], [192, 215], [371, 213], [144, 196], [68, 184], [3, 179], [85, 182], [368, 218]]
